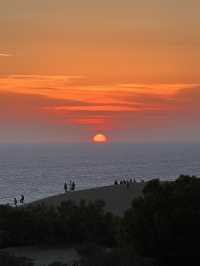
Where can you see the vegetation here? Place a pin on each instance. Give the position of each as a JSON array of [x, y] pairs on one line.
[[57, 263], [116, 256], [10, 260], [162, 224], [68, 224]]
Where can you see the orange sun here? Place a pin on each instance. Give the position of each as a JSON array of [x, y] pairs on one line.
[[100, 138]]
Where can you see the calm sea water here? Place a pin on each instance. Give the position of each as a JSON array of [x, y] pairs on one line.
[[40, 170]]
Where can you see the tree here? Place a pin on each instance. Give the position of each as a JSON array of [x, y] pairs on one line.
[[164, 222]]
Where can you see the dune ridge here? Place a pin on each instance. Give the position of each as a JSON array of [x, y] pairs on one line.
[[118, 198]]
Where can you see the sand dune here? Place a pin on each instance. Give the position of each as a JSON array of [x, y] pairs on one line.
[[118, 198]]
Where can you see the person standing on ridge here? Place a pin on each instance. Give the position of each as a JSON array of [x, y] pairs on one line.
[[65, 187], [73, 186], [15, 202], [22, 199]]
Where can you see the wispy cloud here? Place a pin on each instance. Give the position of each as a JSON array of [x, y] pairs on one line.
[[5, 55], [68, 100]]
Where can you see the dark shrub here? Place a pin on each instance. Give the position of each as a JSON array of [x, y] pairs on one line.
[[114, 257], [68, 224], [57, 263], [9, 260], [164, 222]]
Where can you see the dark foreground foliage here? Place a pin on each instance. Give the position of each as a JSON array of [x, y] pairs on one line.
[[68, 224], [9, 260], [57, 263], [98, 256], [163, 224]]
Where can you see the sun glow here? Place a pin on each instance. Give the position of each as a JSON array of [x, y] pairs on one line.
[[100, 138]]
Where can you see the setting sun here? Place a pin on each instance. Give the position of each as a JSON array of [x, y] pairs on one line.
[[100, 138]]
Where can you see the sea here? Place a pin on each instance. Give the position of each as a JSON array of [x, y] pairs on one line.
[[40, 170]]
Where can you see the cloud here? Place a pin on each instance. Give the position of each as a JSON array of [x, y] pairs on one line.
[[21, 101], [95, 120], [5, 55], [68, 103], [131, 97]]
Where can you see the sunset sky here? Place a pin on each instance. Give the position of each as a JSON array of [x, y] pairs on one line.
[[72, 69]]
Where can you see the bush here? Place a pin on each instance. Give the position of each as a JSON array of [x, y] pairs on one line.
[[164, 222], [9, 260], [114, 257], [57, 263], [68, 224]]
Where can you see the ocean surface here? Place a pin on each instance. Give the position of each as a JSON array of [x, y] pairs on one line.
[[40, 170]]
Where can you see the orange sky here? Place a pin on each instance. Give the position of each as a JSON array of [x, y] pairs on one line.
[[129, 69]]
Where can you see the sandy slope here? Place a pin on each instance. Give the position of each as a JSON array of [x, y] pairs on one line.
[[118, 198]]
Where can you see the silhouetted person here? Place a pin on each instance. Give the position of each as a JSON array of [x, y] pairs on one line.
[[15, 202], [22, 199], [65, 187], [116, 183], [73, 186]]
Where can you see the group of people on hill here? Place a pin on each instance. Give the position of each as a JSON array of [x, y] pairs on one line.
[[21, 201], [127, 182], [71, 186]]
